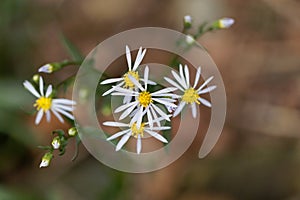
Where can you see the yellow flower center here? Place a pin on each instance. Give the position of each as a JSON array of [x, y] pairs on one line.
[[145, 98], [190, 96], [128, 82], [43, 103], [135, 131]]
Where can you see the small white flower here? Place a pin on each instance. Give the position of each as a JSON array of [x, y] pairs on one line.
[[48, 68], [144, 101], [125, 81], [45, 103], [138, 133], [187, 19], [55, 143], [46, 160], [190, 95], [189, 39], [225, 22]]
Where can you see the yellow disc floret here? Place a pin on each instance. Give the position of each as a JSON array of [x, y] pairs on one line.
[[135, 131], [128, 82], [43, 103], [190, 96], [145, 98]]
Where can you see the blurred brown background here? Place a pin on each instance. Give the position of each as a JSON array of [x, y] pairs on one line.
[[258, 154]]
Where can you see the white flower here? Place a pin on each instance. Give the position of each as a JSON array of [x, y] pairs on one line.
[[187, 19], [190, 95], [55, 142], [144, 101], [46, 160], [45, 103], [138, 133], [48, 68], [225, 22], [124, 81]]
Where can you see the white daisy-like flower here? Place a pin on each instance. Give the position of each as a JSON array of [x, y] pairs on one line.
[[125, 81], [144, 101], [45, 103], [133, 131], [190, 95]]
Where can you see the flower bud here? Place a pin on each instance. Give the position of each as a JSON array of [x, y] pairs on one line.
[[187, 21], [56, 142], [36, 78], [48, 68], [46, 160], [224, 23], [72, 131]]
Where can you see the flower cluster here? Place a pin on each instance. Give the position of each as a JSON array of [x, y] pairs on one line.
[[146, 108], [46, 105]]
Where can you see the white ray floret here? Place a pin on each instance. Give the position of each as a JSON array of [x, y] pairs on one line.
[[45, 103], [190, 95], [125, 81], [131, 130], [144, 101]]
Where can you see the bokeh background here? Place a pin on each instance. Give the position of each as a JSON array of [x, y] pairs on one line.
[[258, 154]]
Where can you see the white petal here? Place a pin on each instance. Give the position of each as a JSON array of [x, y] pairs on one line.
[[181, 72], [208, 89], [139, 145], [164, 102], [149, 82], [127, 99], [123, 140], [128, 57], [173, 83], [41, 86], [146, 76], [118, 134], [39, 116], [194, 109], [140, 118], [187, 75], [64, 107], [197, 77], [112, 89], [165, 90], [160, 112], [126, 91], [179, 109], [157, 121], [64, 101], [158, 128], [139, 58], [49, 91], [48, 116], [205, 83], [128, 111], [111, 80], [57, 115], [63, 112], [149, 116], [136, 83], [115, 124], [179, 80], [31, 89], [157, 136], [205, 102], [123, 107]]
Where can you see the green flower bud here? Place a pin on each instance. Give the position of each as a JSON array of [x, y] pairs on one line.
[[72, 131], [46, 160]]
